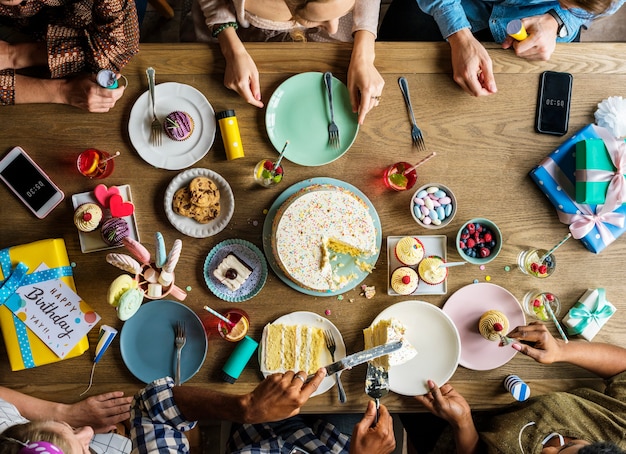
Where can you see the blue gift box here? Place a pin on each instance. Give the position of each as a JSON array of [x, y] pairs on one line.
[[594, 225]]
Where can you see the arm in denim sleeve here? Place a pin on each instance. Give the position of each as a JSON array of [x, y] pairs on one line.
[[449, 15]]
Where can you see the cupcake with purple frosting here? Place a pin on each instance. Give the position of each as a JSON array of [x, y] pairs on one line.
[[114, 230], [178, 125]]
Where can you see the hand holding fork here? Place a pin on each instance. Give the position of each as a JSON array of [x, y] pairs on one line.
[[333, 130]]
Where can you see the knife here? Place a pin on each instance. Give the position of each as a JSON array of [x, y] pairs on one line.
[[376, 385], [359, 358]]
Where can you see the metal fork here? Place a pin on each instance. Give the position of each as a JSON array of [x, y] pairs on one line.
[[416, 133], [332, 346], [333, 130], [179, 341], [155, 128]]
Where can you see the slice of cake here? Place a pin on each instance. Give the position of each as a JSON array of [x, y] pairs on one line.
[[293, 347], [232, 272], [386, 331], [493, 325]]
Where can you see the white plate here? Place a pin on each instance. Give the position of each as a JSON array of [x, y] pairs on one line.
[[172, 154], [436, 340], [433, 245], [465, 308], [189, 226], [312, 319], [92, 241]]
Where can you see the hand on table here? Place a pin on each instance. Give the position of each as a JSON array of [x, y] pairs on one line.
[[241, 73], [84, 92], [379, 439], [541, 40], [538, 343], [280, 396], [101, 412], [446, 403], [471, 65], [365, 85]]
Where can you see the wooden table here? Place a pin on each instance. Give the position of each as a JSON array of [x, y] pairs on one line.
[[486, 147]]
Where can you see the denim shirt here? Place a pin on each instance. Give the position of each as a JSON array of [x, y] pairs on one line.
[[454, 15]]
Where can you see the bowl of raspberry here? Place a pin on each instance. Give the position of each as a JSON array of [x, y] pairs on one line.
[[479, 241]]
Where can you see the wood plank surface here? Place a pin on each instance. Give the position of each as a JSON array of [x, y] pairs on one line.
[[485, 146]]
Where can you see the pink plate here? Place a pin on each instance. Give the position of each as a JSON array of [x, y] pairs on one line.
[[465, 307]]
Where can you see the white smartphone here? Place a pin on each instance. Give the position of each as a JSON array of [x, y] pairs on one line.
[[29, 183]]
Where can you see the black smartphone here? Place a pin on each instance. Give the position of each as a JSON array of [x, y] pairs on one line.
[[555, 92], [29, 183]]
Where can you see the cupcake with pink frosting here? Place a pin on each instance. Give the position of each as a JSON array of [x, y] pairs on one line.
[[178, 125]]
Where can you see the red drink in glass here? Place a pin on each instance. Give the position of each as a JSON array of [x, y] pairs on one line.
[[94, 163], [214, 326], [395, 178]]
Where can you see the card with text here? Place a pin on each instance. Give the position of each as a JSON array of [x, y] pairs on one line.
[[55, 313]]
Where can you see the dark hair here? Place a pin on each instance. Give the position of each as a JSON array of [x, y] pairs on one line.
[[601, 447]]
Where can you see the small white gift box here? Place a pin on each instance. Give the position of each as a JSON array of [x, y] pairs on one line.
[[589, 314]]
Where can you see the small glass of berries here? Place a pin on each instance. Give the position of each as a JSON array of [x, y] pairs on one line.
[[535, 303], [269, 173]]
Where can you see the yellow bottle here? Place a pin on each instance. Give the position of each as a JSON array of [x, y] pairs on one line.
[[229, 127], [516, 30]]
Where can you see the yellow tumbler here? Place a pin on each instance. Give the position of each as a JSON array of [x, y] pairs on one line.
[[516, 30], [229, 127]]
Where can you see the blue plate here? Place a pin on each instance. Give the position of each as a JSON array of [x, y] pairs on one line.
[[147, 341], [247, 252], [348, 262]]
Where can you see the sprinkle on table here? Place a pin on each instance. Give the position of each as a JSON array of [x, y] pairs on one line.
[[475, 281], [188, 288], [487, 278], [482, 267], [327, 312], [507, 268]]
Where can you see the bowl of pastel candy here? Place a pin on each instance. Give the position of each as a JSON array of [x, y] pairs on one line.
[[479, 241], [433, 206]]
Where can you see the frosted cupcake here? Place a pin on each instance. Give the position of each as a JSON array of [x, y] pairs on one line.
[[114, 230], [430, 270], [492, 325], [87, 217], [178, 125], [404, 280], [409, 250]]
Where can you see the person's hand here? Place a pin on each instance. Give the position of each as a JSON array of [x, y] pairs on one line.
[[101, 412], [541, 40], [378, 439], [280, 396], [84, 92], [241, 73], [538, 343], [446, 403], [365, 85], [471, 65]]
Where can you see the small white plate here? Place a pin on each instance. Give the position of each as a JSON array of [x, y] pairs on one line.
[[92, 241], [433, 245], [311, 319], [172, 154], [189, 226], [438, 345]]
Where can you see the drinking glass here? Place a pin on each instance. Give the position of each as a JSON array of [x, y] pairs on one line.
[[535, 302], [95, 164], [529, 263], [214, 326], [266, 175], [395, 178]]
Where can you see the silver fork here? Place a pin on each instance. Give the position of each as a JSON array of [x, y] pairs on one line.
[[332, 346], [155, 128], [416, 133], [333, 130], [179, 341]]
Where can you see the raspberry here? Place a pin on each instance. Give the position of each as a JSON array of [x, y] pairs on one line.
[[497, 327], [543, 269], [536, 303], [87, 217], [470, 243], [462, 245], [549, 296], [406, 280], [534, 267], [279, 170], [488, 237], [484, 252], [471, 228], [269, 165]]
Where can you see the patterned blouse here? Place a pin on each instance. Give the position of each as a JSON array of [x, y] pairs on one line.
[[80, 35]]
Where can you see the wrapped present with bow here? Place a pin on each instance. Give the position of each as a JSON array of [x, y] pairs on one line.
[[18, 267], [589, 314], [601, 169], [596, 226]]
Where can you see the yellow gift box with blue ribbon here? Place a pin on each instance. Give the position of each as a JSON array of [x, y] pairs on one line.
[[17, 264], [589, 314]]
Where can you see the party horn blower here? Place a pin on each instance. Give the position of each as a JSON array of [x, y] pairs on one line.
[[516, 30], [106, 336]]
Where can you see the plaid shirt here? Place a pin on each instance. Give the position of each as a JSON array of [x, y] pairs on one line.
[[80, 35], [158, 426]]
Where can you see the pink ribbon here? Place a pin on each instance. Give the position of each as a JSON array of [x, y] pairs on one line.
[[616, 192]]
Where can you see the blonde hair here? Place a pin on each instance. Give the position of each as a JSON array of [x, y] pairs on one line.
[[12, 439]]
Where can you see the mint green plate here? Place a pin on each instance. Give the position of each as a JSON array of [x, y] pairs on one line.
[[298, 112]]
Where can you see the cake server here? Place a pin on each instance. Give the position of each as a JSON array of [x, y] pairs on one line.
[[376, 385], [361, 357]]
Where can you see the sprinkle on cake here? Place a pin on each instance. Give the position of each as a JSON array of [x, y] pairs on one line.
[[292, 347], [313, 227]]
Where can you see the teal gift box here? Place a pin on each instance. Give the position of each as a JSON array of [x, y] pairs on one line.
[[594, 170], [589, 314]]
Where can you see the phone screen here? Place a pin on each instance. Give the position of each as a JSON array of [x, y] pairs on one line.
[[554, 102], [26, 179]]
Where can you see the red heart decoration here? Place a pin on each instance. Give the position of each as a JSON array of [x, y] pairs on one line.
[[119, 208], [103, 193]]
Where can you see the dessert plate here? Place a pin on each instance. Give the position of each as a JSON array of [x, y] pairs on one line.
[[147, 341], [433, 245], [298, 112], [465, 307], [247, 252], [348, 265], [312, 319], [172, 154], [189, 226], [92, 241], [436, 340]]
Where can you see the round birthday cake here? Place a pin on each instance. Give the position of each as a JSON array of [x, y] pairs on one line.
[[316, 224]]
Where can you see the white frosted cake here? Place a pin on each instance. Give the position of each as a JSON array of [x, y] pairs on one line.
[[315, 224], [386, 331], [292, 347]]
